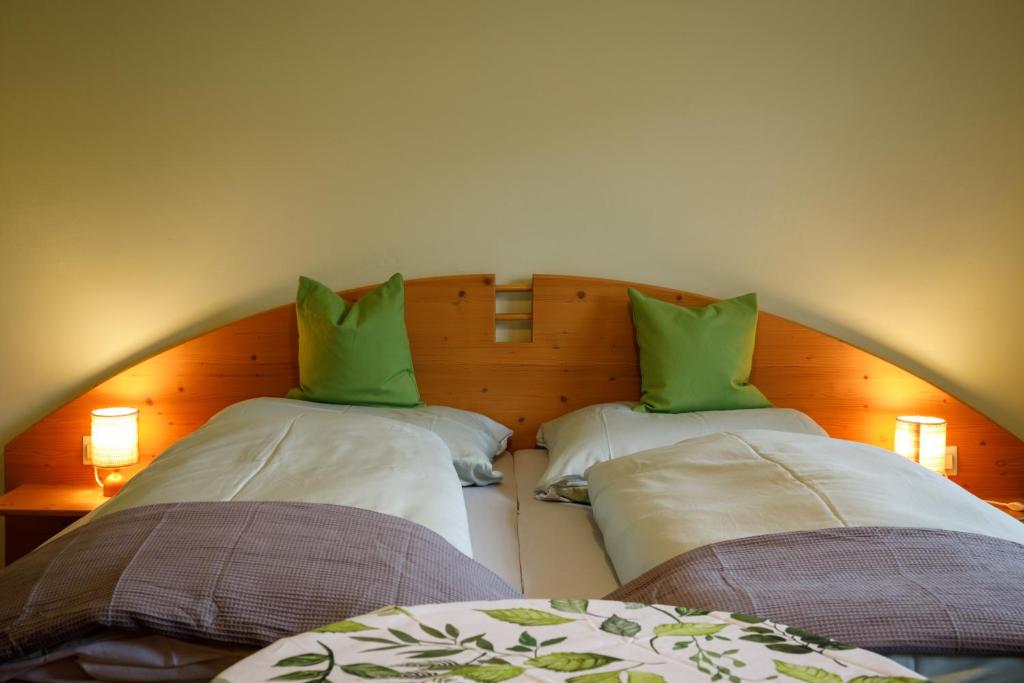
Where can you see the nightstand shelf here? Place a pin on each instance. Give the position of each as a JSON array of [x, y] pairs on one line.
[[51, 500]]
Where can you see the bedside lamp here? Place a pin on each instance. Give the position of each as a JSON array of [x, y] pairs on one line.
[[923, 440], [115, 444]]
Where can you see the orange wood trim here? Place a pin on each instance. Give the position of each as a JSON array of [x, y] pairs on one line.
[[582, 352], [514, 288], [513, 316]]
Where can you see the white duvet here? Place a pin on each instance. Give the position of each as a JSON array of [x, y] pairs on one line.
[[280, 450], [654, 505]]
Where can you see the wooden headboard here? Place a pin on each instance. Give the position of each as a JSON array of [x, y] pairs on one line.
[[582, 352]]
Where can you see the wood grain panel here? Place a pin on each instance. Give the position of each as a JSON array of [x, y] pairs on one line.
[[582, 352], [851, 393], [48, 500]]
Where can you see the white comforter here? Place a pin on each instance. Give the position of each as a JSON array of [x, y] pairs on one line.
[[654, 505], [280, 450]]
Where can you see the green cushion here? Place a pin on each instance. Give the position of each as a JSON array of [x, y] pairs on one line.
[[356, 354], [696, 358]]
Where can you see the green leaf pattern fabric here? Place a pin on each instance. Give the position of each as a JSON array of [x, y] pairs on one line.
[[562, 641]]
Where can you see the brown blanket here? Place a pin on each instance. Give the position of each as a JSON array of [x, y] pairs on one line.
[[240, 573], [913, 591]]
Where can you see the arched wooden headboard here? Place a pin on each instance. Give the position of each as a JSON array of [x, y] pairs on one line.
[[582, 352]]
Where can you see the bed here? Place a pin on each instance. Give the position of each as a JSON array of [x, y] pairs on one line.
[[521, 538], [581, 353], [837, 536]]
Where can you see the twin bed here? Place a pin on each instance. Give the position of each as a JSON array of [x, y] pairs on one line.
[[333, 511]]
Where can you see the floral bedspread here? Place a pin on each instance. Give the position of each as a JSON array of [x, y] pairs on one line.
[[571, 641]]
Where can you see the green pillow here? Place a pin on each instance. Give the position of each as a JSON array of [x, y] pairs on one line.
[[356, 354], [696, 358]]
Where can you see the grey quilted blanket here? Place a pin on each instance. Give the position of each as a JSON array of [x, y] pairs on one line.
[[240, 573], [913, 591]]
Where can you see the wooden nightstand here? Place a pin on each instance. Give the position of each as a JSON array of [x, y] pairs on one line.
[[43, 510], [51, 500]]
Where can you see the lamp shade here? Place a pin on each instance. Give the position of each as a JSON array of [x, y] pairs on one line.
[[923, 440], [115, 437]]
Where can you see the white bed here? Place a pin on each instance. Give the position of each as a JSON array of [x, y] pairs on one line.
[[561, 551], [562, 554], [545, 549]]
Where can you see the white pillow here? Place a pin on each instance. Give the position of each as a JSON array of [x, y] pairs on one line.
[[611, 430], [473, 439]]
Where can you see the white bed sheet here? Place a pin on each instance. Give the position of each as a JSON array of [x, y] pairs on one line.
[[560, 546]]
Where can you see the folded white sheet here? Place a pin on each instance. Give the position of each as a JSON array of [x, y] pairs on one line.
[[654, 505], [279, 450]]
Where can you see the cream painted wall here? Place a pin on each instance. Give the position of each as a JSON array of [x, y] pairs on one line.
[[169, 166]]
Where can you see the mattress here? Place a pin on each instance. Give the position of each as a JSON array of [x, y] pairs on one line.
[[492, 523], [543, 549], [560, 549]]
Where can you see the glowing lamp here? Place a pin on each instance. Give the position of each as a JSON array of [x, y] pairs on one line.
[[923, 440], [114, 444]]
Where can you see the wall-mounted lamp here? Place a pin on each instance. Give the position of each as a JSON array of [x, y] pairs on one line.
[[114, 444], [923, 440]]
